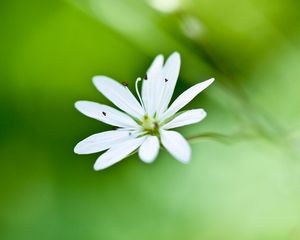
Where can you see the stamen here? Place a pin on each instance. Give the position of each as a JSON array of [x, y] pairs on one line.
[[166, 80], [137, 91], [125, 84], [114, 128], [145, 77], [104, 113]]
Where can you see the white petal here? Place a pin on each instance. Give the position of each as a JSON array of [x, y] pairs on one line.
[[155, 67], [148, 88], [117, 153], [149, 149], [105, 114], [186, 118], [176, 145], [101, 141], [168, 82], [185, 98], [119, 95]]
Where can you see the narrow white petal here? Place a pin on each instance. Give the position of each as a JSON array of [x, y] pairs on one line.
[[186, 118], [185, 98], [119, 95], [149, 149], [168, 82], [155, 67], [101, 141], [149, 83], [105, 114], [117, 153], [176, 145]]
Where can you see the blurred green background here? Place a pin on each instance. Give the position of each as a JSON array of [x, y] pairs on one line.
[[244, 185]]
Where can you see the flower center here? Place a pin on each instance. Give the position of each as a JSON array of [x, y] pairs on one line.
[[150, 125]]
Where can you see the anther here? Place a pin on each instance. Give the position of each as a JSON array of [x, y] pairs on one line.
[[114, 128], [166, 80], [104, 113], [125, 84], [145, 77]]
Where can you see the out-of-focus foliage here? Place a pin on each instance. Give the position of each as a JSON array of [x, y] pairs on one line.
[[245, 187]]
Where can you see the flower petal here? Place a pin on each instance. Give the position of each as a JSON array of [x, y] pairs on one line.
[[186, 118], [119, 95], [185, 98], [105, 114], [149, 83], [176, 145], [117, 153], [101, 141], [167, 82], [149, 149]]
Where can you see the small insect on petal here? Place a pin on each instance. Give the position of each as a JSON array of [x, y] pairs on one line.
[[104, 113], [125, 84], [166, 80], [145, 77]]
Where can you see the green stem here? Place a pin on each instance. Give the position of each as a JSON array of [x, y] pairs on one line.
[[219, 137], [210, 136]]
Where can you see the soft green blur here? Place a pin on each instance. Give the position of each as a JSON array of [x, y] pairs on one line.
[[243, 182]]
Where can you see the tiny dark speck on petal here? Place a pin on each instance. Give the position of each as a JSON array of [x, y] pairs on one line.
[[145, 77], [166, 80], [125, 84], [104, 113]]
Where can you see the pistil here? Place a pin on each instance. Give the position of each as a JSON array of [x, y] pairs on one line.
[[150, 125]]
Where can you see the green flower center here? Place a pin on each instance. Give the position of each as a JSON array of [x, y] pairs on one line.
[[150, 125]]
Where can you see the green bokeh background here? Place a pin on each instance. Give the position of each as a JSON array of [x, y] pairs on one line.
[[241, 185]]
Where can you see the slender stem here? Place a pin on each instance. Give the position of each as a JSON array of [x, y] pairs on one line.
[[219, 137], [210, 136]]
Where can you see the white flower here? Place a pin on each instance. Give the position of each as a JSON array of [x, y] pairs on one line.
[[143, 124]]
